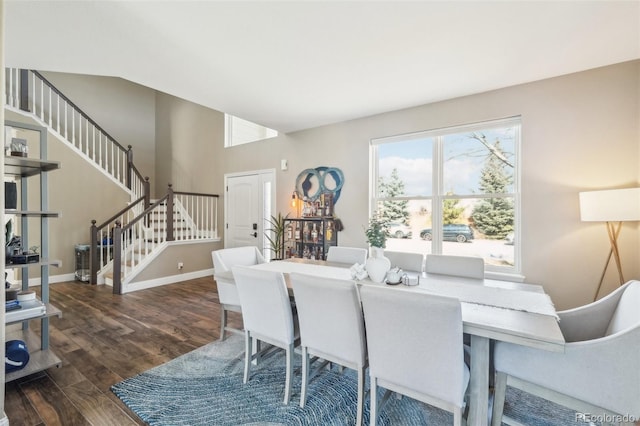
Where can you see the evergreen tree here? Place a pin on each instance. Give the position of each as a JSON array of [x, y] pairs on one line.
[[395, 210], [494, 216], [451, 212]]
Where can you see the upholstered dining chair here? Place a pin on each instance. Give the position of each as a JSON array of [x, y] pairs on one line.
[[223, 261], [348, 255], [268, 317], [405, 261], [331, 328], [414, 344], [598, 372], [459, 266]]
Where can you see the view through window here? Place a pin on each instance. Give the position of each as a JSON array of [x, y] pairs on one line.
[[451, 191], [238, 131]]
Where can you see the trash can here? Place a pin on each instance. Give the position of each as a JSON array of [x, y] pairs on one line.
[[83, 273]]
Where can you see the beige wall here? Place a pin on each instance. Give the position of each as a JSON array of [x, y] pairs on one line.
[[78, 192], [188, 137], [188, 154], [195, 257], [579, 132]]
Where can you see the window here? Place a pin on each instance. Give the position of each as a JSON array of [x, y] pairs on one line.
[[238, 131], [452, 191]]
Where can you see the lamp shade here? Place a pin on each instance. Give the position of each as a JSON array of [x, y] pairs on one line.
[[614, 205]]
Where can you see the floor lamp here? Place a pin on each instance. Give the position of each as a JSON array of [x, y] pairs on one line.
[[612, 207]]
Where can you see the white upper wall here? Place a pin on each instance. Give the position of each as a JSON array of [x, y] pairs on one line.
[[298, 65]]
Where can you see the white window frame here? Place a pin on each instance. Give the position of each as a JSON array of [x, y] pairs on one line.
[[438, 194], [233, 124]]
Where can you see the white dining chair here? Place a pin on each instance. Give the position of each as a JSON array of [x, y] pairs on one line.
[[598, 373], [406, 261], [331, 328], [459, 266], [223, 261], [349, 255], [268, 317], [414, 344]]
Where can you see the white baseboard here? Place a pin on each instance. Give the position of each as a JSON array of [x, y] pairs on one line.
[[141, 285], [52, 279], [4, 420]]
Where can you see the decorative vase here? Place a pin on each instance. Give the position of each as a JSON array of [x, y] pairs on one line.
[[377, 265]]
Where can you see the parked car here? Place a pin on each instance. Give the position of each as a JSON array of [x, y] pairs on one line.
[[451, 232], [510, 239], [399, 230]]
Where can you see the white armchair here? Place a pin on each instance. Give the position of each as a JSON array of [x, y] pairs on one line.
[[459, 266], [599, 371], [331, 328], [223, 261], [406, 261], [414, 342], [268, 317], [348, 255]]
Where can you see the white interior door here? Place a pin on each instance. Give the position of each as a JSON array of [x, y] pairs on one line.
[[249, 200]]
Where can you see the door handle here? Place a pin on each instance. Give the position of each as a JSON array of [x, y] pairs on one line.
[[255, 235]]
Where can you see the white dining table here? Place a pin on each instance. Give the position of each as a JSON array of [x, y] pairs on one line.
[[491, 310]]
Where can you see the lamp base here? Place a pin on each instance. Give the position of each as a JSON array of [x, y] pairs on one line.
[[613, 229]]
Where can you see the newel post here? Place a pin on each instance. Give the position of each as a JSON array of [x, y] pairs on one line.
[[129, 166], [170, 236], [117, 258], [147, 192], [93, 253], [24, 90]]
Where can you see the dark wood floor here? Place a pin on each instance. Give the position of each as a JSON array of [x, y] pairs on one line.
[[104, 338]]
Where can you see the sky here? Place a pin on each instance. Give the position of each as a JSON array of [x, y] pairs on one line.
[[463, 156]]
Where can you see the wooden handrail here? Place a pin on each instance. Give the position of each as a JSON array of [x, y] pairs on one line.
[[130, 177], [52, 87], [94, 262], [120, 213], [197, 194], [144, 213], [132, 228]]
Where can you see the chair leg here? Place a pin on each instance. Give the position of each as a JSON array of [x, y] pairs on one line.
[[457, 417], [247, 355], [289, 373], [257, 348], [223, 322], [305, 376], [361, 374], [498, 399], [373, 390]]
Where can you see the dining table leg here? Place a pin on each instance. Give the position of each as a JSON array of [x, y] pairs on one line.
[[479, 382]]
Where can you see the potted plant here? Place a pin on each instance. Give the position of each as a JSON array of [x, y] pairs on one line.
[[274, 235], [377, 231], [377, 265]]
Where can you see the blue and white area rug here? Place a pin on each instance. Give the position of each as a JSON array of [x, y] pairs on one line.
[[204, 387]]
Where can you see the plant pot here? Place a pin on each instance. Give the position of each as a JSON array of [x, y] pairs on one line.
[[377, 265]]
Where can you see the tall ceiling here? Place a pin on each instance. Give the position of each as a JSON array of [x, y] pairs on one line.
[[295, 65]]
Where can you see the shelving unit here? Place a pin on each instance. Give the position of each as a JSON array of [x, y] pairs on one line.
[[309, 237], [41, 356]]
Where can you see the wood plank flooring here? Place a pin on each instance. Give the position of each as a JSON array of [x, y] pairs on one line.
[[104, 338]]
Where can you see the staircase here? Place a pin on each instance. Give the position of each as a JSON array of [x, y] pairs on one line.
[[125, 244]]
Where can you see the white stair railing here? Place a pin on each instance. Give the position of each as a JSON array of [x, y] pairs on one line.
[[178, 216], [28, 91]]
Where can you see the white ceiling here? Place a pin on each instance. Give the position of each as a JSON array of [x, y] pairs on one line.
[[297, 65]]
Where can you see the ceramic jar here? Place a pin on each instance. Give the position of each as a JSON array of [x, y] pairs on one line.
[[377, 265]]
